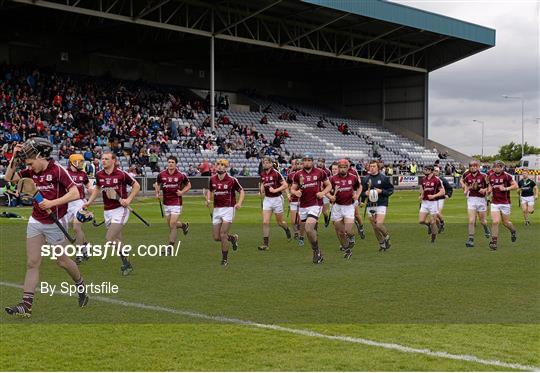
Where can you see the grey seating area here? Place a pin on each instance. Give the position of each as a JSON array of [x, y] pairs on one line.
[[305, 136], [392, 147]]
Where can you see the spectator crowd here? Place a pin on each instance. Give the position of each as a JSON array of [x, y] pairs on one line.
[[141, 121]]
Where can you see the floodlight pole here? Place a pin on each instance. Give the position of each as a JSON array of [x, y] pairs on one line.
[[522, 121], [212, 89], [482, 123]]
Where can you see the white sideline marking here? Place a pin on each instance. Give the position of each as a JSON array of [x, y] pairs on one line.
[[310, 333]]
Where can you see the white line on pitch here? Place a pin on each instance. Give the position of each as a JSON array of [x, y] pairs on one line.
[[309, 333]]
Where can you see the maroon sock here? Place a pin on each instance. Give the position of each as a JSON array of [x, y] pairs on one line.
[[78, 283], [224, 254], [265, 241], [28, 299]]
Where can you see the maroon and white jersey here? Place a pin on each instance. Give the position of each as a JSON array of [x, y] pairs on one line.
[[352, 171], [475, 182], [53, 182], [80, 178], [504, 179], [290, 176], [326, 171], [310, 183], [430, 186], [271, 179], [117, 180], [224, 190], [346, 185], [171, 183]]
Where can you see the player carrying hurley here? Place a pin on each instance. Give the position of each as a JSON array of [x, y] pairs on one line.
[[430, 191], [528, 193], [381, 184], [357, 217], [475, 187], [448, 190], [500, 185], [308, 186], [113, 183], [296, 165], [321, 164], [80, 178], [345, 190], [222, 190], [174, 184], [57, 188], [271, 185]]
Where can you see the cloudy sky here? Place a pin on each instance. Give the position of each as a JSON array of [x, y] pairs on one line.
[[473, 88]]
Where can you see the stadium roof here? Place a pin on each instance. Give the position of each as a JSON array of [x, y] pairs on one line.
[[412, 17], [371, 32]]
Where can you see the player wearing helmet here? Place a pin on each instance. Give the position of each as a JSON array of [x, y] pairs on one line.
[[80, 178], [57, 189]]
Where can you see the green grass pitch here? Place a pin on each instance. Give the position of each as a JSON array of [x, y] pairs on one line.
[[427, 297]]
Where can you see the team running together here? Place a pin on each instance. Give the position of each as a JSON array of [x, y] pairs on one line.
[[337, 193]]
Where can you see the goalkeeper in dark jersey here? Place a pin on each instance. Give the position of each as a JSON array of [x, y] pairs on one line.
[[528, 194], [376, 189]]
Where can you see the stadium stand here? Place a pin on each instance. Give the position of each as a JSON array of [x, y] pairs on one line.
[[144, 123]]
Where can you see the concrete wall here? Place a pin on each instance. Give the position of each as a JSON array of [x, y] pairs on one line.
[[403, 99], [382, 96]]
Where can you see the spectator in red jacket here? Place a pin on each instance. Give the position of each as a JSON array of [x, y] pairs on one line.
[[204, 168], [57, 101]]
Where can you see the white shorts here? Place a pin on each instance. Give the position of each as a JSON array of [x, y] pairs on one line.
[[431, 207], [376, 210], [274, 204], [355, 203], [172, 210], [325, 200], [529, 201], [340, 212], [73, 208], [313, 211], [503, 208], [477, 204], [223, 214], [119, 215], [293, 205], [53, 234], [440, 202]]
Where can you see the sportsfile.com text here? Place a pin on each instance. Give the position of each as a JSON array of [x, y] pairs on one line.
[[110, 249]]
